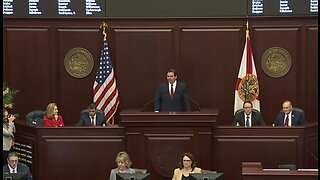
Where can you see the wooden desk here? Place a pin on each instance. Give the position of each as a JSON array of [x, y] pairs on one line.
[[255, 171], [270, 145], [78, 153], [156, 141]]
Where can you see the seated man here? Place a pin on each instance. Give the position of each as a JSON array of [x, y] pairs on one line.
[[247, 117], [290, 116], [14, 166], [91, 117]]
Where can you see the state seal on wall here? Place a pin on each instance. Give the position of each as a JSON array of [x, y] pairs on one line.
[[78, 62], [248, 88], [276, 62]]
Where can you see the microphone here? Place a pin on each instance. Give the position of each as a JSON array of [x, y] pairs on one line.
[[194, 101], [190, 98], [149, 102]]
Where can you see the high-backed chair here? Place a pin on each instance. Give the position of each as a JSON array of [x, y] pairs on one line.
[[241, 111], [97, 111], [297, 109], [35, 117]]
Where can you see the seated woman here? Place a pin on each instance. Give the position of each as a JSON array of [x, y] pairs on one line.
[[51, 117], [185, 167], [123, 162]]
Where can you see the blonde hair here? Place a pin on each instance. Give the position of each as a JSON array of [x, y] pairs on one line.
[[124, 157], [50, 109]]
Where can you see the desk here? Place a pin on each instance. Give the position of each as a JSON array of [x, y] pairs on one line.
[[78, 153], [270, 145], [156, 141], [255, 171]]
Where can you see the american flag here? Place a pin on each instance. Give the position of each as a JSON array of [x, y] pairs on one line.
[[105, 91]]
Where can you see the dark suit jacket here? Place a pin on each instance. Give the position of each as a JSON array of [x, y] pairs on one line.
[[256, 119], [164, 103], [86, 121], [297, 118], [20, 168]]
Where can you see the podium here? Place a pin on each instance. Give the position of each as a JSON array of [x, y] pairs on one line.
[[157, 140], [255, 171]]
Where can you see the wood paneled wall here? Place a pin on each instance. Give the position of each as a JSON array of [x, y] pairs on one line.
[[205, 51]]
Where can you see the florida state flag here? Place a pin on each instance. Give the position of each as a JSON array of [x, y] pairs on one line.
[[247, 86]]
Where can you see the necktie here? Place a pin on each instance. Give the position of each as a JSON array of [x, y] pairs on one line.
[[171, 91], [13, 171], [92, 121], [286, 121], [247, 122]]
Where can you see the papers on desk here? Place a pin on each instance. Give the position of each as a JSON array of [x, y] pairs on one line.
[[315, 170], [276, 169]]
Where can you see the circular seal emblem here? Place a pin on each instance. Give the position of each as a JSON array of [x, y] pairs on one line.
[[248, 88], [276, 62], [78, 62]]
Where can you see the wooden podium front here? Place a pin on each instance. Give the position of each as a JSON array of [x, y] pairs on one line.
[[157, 140]]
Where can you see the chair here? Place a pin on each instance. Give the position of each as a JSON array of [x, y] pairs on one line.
[[241, 111], [287, 166], [296, 109], [97, 111], [35, 117]]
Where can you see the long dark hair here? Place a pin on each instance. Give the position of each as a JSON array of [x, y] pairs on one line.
[[189, 155]]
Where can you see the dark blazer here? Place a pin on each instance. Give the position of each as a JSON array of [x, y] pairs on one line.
[[256, 119], [164, 103], [297, 118], [20, 168], [86, 121]]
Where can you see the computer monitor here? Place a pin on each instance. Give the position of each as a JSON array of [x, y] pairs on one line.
[[15, 176], [133, 176], [206, 176]]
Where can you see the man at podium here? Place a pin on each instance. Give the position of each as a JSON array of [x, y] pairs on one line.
[[171, 96]]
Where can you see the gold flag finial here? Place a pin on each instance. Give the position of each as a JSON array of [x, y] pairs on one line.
[[104, 25], [247, 30]]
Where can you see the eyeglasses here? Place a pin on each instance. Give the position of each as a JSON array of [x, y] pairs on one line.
[[13, 161], [186, 160]]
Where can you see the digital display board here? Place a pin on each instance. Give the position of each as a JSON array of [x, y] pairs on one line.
[[282, 7], [157, 8], [54, 8]]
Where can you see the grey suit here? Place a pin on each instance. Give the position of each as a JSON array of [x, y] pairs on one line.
[[179, 102], [20, 168], [116, 170]]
